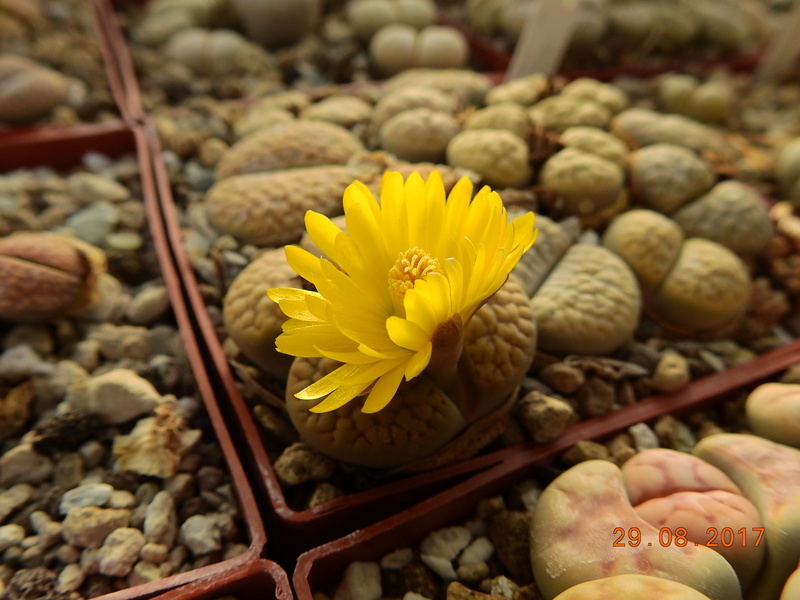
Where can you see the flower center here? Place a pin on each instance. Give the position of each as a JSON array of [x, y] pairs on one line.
[[412, 265]]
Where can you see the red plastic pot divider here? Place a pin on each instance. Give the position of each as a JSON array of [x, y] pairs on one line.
[[258, 580]]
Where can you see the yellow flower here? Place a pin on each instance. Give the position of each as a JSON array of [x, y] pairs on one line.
[[408, 269]]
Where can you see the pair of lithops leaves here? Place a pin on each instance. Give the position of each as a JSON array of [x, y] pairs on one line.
[[588, 298], [47, 275], [30, 91], [423, 427], [723, 521]]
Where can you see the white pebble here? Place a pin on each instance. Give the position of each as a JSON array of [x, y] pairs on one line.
[[479, 550], [70, 578], [446, 543], [398, 559], [361, 581], [119, 551], [439, 565], [11, 535]]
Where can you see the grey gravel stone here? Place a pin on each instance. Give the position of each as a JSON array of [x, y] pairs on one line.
[[161, 520], [154, 553], [70, 578], [479, 550], [202, 534], [440, 565], [120, 551], [545, 417], [90, 494], [643, 436], [300, 463], [89, 187], [22, 464], [88, 526], [121, 395], [18, 363], [11, 535], [122, 341], [93, 223], [148, 306], [446, 542], [14, 497]]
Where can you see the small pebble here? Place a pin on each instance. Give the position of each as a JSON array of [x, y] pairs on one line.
[[397, 559], [90, 494], [671, 373], [119, 551], [360, 581], [446, 543], [644, 438]]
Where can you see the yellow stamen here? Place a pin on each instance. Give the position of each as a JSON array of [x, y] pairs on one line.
[[412, 265]]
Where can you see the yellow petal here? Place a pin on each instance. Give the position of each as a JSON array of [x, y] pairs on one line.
[[406, 333], [383, 391], [339, 398], [417, 363], [303, 262], [322, 230]]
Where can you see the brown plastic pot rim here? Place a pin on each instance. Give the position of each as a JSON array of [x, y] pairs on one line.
[[131, 100], [320, 565], [645, 409], [61, 149], [259, 579]]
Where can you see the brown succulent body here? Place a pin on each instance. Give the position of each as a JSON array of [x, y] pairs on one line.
[[44, 275]]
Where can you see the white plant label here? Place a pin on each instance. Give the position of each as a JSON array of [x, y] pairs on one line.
[[544, 38]]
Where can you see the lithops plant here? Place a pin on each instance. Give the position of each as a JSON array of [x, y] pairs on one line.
[[474, 362], [267, 208], [596, 141], [47, 275], [163, 18], [289, 145], [214, 52], [367, 17], [29, 91], [580, 531], [769, 476], [631, 587], [406, 98], [585, 299], [639, 127], [692, 285], [524, 91], [468, 87], [427, 426], [663, 176], [398, 47], [508, 116], [275, 24], [773, 412], [556, 113], [251, 319], [589, 304], [418, 134], [732, 214], [698, 502], [499, 156], [347, 111], [710, 102], [585, 183]]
